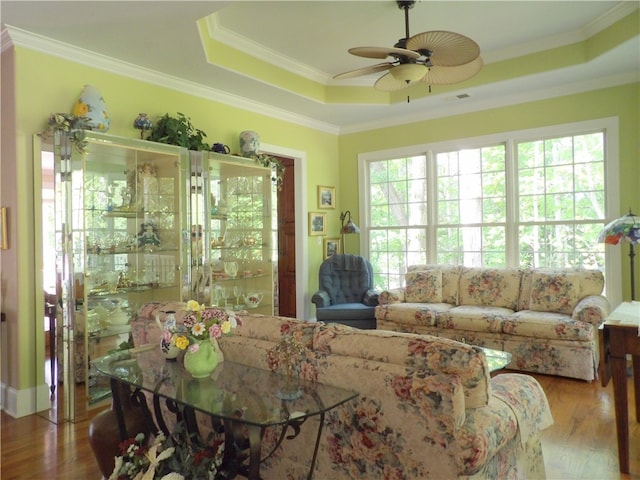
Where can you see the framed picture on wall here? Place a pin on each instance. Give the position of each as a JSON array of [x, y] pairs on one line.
[[331, 247], [317, 223], [326, 197]]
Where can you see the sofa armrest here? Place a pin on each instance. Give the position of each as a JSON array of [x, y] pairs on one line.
[[393, 295], [321, 299], [592, 309], [371, 298]]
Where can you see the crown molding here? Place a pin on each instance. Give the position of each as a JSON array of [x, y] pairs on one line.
[[48, 46], [248, 46], [604, 21]]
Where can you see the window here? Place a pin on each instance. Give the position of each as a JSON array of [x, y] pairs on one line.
[[561, 201], [471, 213], [521, 199]]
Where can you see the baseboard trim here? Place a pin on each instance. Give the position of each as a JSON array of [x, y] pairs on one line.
[[20, 403]]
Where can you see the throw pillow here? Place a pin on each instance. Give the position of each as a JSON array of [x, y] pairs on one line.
[[554, 293], [424, 286]]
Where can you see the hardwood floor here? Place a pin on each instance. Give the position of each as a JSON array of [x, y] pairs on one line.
[[581, 445]]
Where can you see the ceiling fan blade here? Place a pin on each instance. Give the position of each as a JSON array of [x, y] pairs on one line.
[[448, 49], [439, 75], [383, 52], [388, 83], [364, 71]]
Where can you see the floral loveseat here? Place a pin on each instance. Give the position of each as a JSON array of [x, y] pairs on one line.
[[427, 407], [547, 319]]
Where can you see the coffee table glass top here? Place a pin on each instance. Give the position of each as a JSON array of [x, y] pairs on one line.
[[497, 359], [233, 391]]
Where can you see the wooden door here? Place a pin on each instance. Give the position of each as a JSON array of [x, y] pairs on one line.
[[287, 243]]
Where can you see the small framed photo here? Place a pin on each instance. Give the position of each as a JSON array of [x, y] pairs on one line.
[[3, 229], [326, 197], [317, 223], [331, 246]]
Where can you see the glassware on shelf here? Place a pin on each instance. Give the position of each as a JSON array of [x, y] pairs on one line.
[[223, 292], [112, 278], [237, 293], [231, 269], [215, 295]]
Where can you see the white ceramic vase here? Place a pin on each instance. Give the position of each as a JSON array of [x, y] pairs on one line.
[[249, 143], [92, 107]]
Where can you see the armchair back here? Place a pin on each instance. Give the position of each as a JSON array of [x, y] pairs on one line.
[[346, 278]]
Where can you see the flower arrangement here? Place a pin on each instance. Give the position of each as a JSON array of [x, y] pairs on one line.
[[167, 458], [73, 124], [287, 355], [202, 323]]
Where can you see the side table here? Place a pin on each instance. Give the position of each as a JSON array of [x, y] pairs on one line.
[[619, 337]]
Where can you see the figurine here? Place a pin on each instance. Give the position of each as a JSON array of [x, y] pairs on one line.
[[148, 235]]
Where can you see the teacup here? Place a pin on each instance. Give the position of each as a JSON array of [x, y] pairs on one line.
[[220, 148], [252, 300]]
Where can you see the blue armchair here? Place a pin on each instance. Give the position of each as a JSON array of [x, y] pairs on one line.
[[346, 293]]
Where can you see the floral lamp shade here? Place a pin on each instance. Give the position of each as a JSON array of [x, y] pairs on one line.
[[625, 229], [92, 107]]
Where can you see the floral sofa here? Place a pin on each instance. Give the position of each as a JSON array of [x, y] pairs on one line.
[[427, 407], [546, 318]]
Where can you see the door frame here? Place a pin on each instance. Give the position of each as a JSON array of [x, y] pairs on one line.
[[303, 305]]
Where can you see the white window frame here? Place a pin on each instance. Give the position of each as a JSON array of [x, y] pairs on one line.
[[610, 127]]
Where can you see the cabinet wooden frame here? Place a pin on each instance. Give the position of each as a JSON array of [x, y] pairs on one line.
[[4, 244]]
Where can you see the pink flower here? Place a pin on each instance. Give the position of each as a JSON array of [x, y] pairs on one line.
[[194, 347], [215, 331]]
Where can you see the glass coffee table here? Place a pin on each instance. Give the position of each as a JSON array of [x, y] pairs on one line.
[[241, 401], [497, 359]]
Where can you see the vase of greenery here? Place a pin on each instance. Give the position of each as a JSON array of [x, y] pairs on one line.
[[178, 131]]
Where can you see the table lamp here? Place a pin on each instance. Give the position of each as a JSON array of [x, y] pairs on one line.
[[621, 230]]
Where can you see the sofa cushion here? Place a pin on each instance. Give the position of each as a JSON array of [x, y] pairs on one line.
[[496, 287], [428, 354], [547, 325], [591, 282], [554, 292], [341, 311], [474, 318], [424, 286], [272, 328], [450, 279], [412, 313]]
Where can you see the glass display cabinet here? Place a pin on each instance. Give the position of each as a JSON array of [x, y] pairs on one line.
[[121, 218], [231, 238]]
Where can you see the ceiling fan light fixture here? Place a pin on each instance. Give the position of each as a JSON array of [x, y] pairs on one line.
[[409, 72]]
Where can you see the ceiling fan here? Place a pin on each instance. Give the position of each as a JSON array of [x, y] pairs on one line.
[[435, 58]]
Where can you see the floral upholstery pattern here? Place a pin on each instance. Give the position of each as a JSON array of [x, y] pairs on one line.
[[490, 287], [427, 406], [450, 279], [472, 318], [393, 295], [411, 313], [424, 286], [554, 293], [546, 318]]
